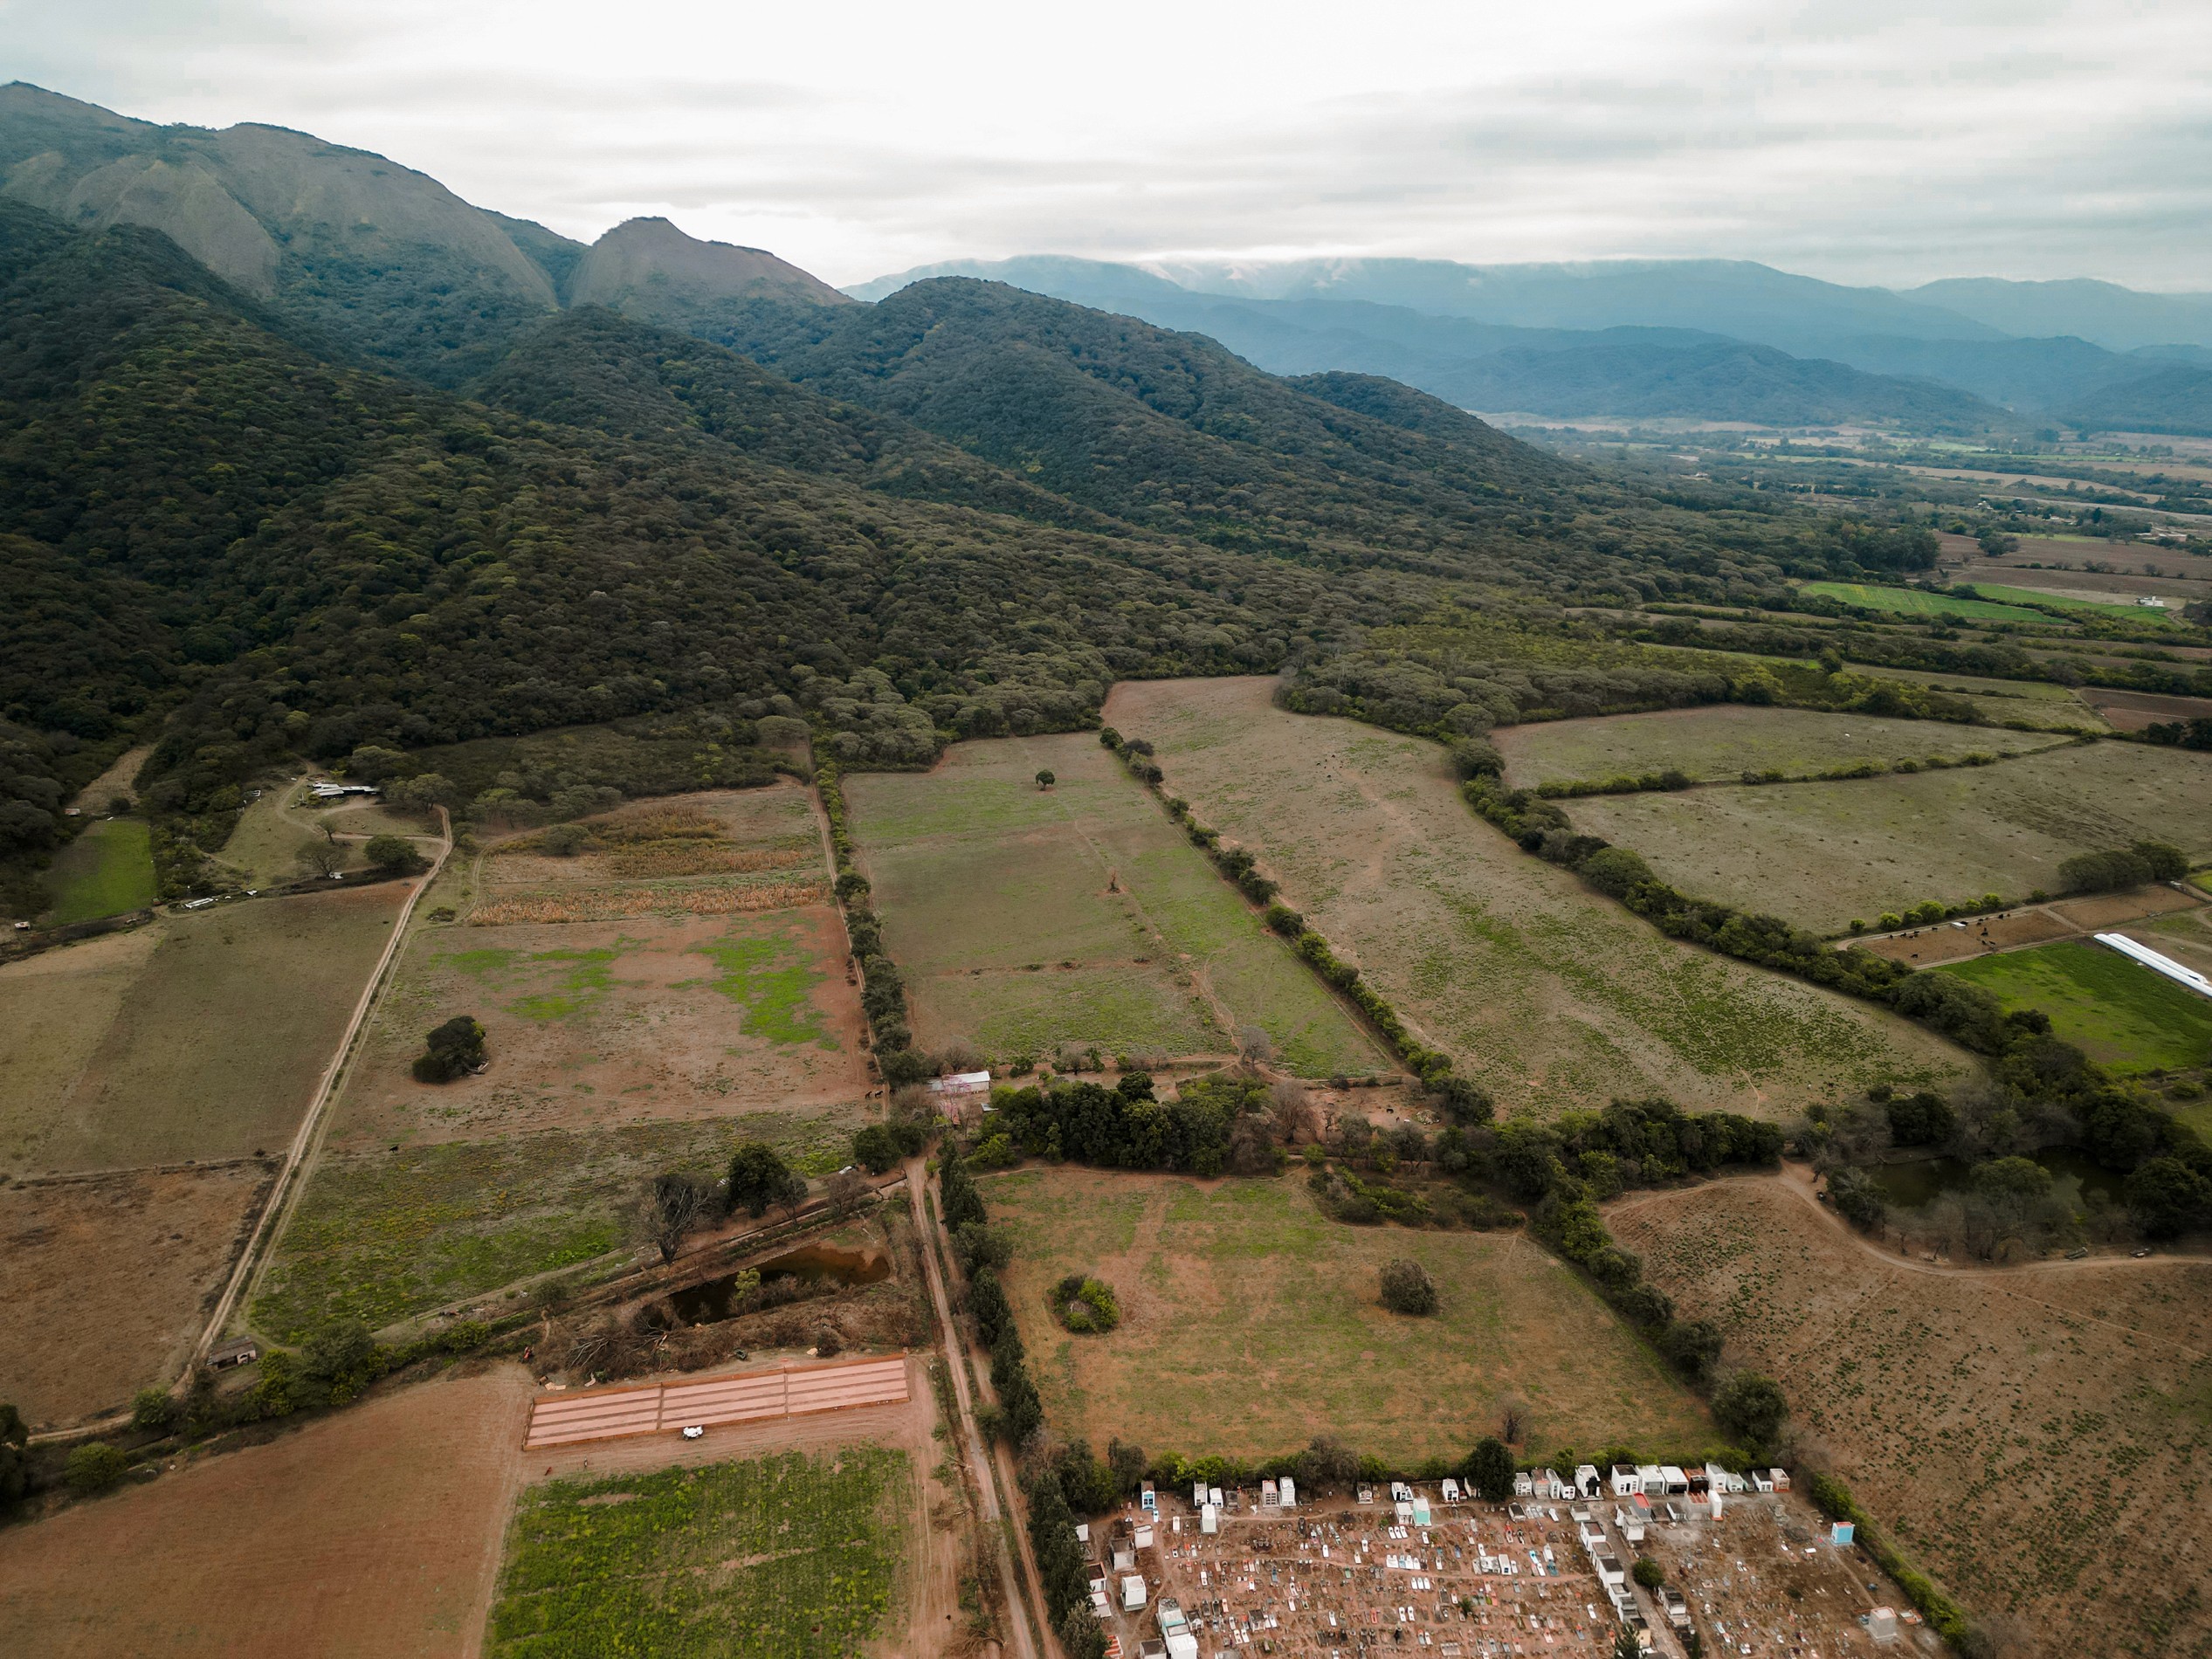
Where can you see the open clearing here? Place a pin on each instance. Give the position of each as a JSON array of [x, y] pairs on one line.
[[2027, 1435], [107, 1279], [1910, 601], [590, 1024], [197, 1036], [2118, 1012], [1549, 995], [1025, 917], [785, 1557], [381, 1235], [106, 870], [374, 1532], [1722, 743], [1820, 854], [1242, 1293]]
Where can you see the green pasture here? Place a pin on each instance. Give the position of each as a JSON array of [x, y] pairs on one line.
[[789, 1556], [1910, 601], [106, 870], [2169, 618], [2118, 1012], [769, 975]]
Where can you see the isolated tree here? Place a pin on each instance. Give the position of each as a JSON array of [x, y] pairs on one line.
[[321, 858], [1857, 1197], [2166, 1197], [759, 1179], [1490, 1466], [454, 1049], [675, 1205], [1045, 779], [1648, 1573], [423, 791], [1625, 1646], [1328, 1461], [1751, 1408], [15, 1462], [393, 852], [564, 840], [155, 1411], [1406, 1288], [94, 1468], [847, 1189]]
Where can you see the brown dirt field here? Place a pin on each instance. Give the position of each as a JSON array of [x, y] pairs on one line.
[[1550, 996], [2132, 711], [2108, 909], [54, 1010], [768, 828], [107, 1279], [375, 1531], [215, 1046], [613, 1022], [1944, 943], [2025, 1432], [95, 796]]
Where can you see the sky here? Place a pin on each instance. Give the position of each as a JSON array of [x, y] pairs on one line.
[[1861, 140]]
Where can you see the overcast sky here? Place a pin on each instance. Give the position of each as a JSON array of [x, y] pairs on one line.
[[1863, 141]]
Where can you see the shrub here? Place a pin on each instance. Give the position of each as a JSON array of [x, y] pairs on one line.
[[94, 1468], [1650, 1573], [1751, 1408], [563, 840], [393, 852], [454, 1049], [1408, 1289], [1085, 1304], [155, 1411], [1857, 1198]]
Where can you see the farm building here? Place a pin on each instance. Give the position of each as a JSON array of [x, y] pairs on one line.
[[240, 1350]]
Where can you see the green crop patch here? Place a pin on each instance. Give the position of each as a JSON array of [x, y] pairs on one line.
[[2149, 616], [2118, 1012], [106, 870], [769, 976], [783, 1557], [564, 983], [1910, 601]]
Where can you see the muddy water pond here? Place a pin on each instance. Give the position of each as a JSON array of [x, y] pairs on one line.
[[1920, 1181], [810, 1268]]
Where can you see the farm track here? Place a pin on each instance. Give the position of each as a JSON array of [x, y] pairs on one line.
[[1800, 1187], [984, 1470]]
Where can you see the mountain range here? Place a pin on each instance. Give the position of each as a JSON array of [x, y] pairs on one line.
[[1701, 339]]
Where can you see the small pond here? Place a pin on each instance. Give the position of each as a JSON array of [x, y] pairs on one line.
[[1920, 1181], [809, 1267]]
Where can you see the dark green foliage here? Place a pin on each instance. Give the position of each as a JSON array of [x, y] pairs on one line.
[[880, 1147], [2146, 861], [393, 852], [15, 1459], [1920, 1120], [1690, 1346], [454, 1049], [155, 1411], [1648, 1573], [1085, 1305], [759, 1180], [1490, 1466], [1751, 1409], [94, 1468], [1408, 1289], [978, 1244], [1857, 1197], [1213, 1124], [2168, 1197]]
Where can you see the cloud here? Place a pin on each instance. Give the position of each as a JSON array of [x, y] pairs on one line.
[[1867, 141]]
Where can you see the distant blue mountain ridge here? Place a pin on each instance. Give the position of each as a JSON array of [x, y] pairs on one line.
[[1706, 339]]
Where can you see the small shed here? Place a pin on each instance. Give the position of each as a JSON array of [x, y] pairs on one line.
[[1133, 1596], [1649, 1480], [1588, 1482], [239, 1351], [1210, 1518], [1421, 1512], [1450, 1492], [1626, 1482], [1287, 1492], [1672, 1481]]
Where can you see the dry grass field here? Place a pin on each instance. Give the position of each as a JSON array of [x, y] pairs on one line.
[[197, 1036], [1551, 995], [1820, 854], [2041, 702], [2037, 1436], [591, 1024], [1025, 917], [374, 1532], [106, 1279], [1250, 1322], [1721, 743]]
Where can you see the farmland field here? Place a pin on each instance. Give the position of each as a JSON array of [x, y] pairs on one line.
[[373, 1531], [1023, 918], [1243, 1291], [381, 1235], [1724, 741], [1819, 853], [1910, 601], [2038, 702], [595, 1023], [1550, 996], [2117, 610], [2021, 1431], [197, 1036], [783, 1556], [108, 870], [2118, 1012], [104, 1277]]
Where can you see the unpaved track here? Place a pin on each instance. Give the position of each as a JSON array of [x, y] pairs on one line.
[[1019, 1612]]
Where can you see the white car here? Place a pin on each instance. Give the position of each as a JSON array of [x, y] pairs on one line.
[[693, 1431]]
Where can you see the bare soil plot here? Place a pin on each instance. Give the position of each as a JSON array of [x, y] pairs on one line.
[[2109, 909], [2023, 1431], [106, 1279], [1025, 917], [591, 1024], [374, 1532], [1942, 942], [1242, 1291], [1820, 854], [381, 1235], [119, 780], [1721, 743], [55, 1008], [1549, 995], [214, 1045], [2132, 711]]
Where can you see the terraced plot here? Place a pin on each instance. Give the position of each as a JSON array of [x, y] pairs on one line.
[[1548, 994], [1820, 854], [1025, 917]]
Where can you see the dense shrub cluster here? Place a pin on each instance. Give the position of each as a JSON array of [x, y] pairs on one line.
[[2102, 872], [1215, 1124]]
